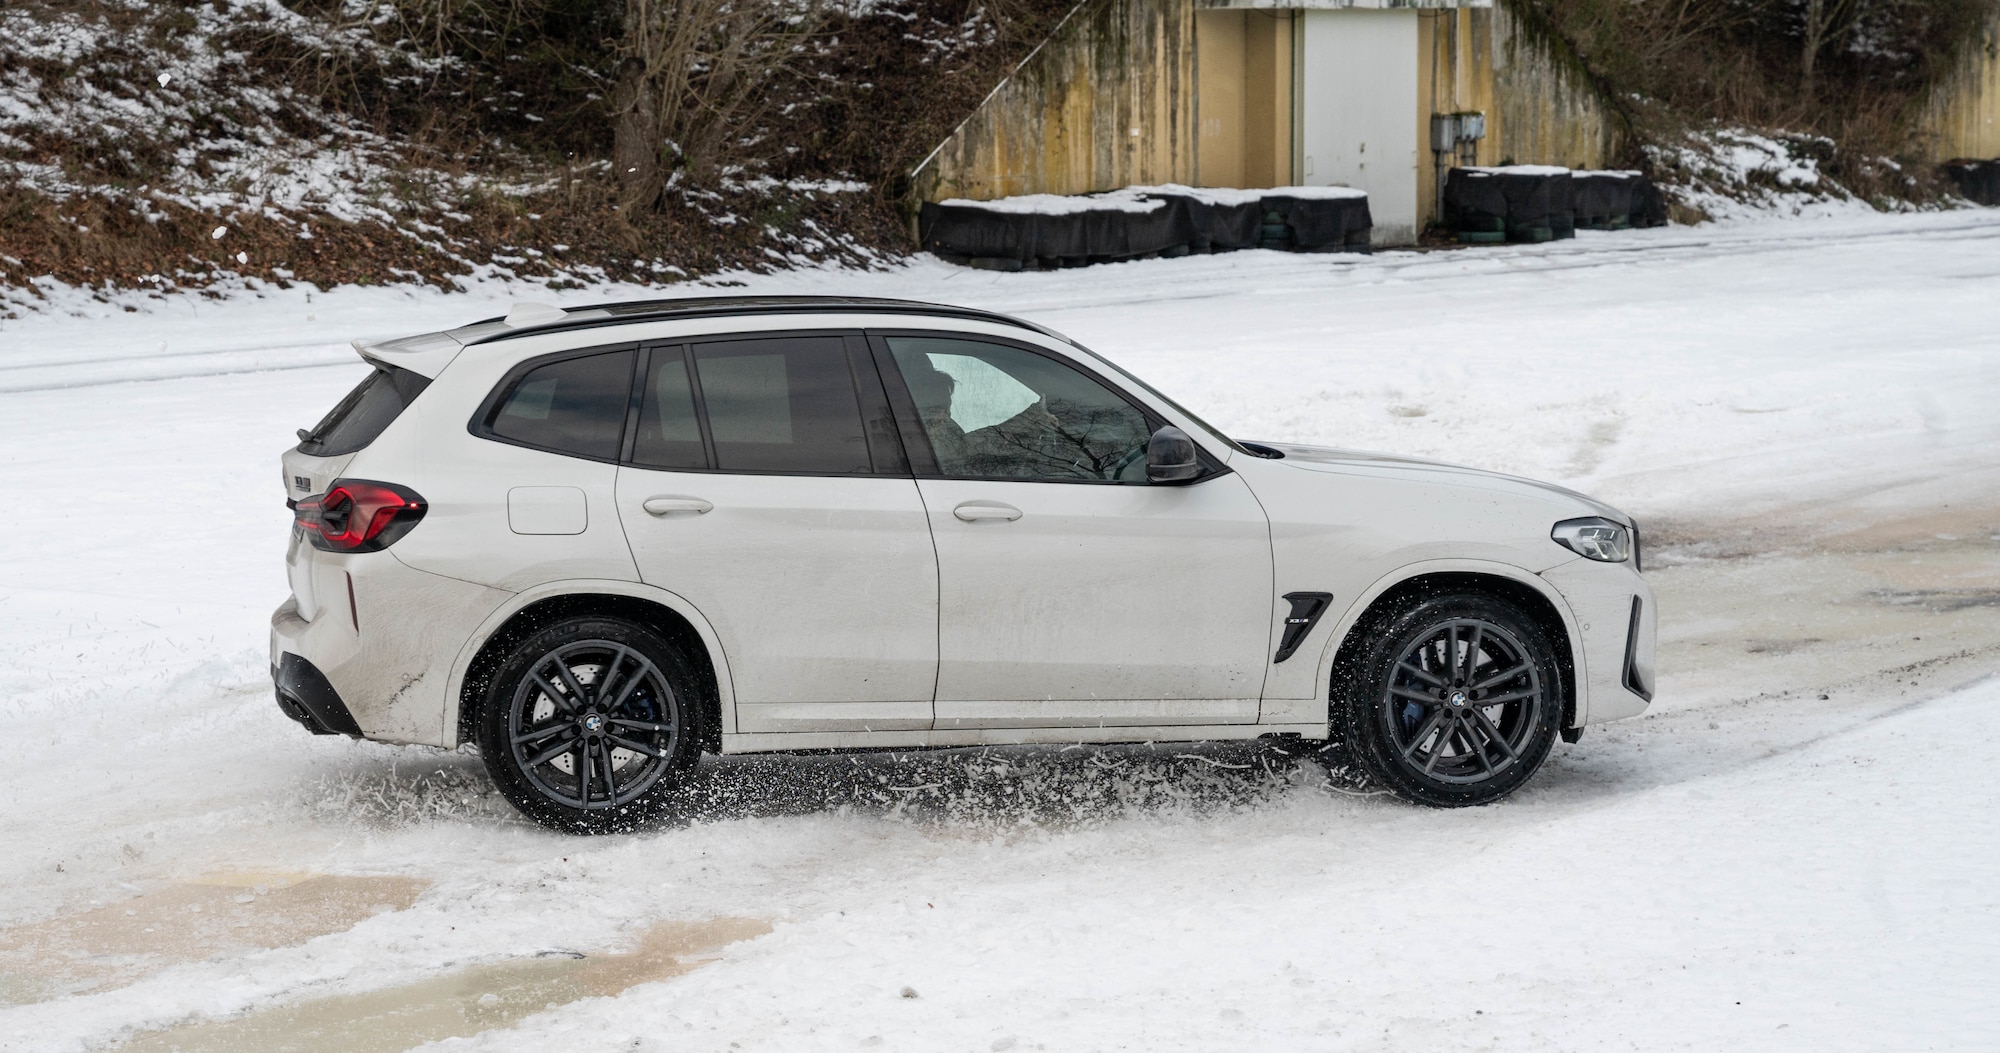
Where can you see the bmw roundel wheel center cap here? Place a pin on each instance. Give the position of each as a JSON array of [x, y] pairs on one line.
[[593, 722]]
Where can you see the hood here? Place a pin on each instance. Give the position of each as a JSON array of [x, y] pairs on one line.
[[1330, 459]]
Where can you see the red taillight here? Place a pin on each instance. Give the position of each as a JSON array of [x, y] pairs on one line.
[[359, 515]]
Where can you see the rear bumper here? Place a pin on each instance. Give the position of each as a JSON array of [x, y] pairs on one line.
[[375, 662], [305, 696]]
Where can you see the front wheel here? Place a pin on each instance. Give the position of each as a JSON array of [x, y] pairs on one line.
[[1453, 700], [589, 723]]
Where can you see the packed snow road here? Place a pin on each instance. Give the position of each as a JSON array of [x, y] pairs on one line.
[[1798, 848]]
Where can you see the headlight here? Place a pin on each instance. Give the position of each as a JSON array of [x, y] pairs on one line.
[[1595, 538]]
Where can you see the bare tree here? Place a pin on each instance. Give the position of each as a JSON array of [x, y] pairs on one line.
[[1822, 22], [696, 85]]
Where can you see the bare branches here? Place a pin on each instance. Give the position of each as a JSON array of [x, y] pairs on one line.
[[695, 79]]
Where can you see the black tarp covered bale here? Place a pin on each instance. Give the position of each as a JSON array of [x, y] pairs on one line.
[[1615, 200], [1539, 202], [1977, 181], [1115, 231], [1219, 226], [1475, 206], [1322, 224], [1141, 221], [1603, 200], [1649, 205], [1530, 203]]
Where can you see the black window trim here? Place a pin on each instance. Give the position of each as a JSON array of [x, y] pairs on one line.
[[861, 369], [481, 424], [923, 460]]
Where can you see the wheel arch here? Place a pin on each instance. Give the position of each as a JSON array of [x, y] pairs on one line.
[[528, 611], [1523, 588]]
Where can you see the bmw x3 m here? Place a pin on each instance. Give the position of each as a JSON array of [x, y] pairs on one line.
[[601, 541]]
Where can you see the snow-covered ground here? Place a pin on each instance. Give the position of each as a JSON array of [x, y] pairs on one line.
[[1798, 848]]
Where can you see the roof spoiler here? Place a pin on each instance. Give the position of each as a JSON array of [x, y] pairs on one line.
[[425, 354]]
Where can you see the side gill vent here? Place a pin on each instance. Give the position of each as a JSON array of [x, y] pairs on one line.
[[1306, 609]]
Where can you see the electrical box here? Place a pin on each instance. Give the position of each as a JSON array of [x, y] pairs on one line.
[[1445, 130]]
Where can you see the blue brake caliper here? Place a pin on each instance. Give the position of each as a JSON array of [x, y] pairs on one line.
[[1413, 715]]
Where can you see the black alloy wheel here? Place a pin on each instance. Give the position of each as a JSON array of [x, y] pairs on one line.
[[589, 723], [1456, 700]]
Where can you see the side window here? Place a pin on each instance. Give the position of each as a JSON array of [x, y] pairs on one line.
[[999, 412], [783, 404], [572, 405], [669, 432]]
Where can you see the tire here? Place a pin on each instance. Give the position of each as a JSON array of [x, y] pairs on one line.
[[1423, 728], [635, 741]]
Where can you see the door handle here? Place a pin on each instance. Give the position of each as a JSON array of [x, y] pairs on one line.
[[973, 511], [668, 504]]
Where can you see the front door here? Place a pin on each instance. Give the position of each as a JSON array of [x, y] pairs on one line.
[[765, 485], [1072, 592]]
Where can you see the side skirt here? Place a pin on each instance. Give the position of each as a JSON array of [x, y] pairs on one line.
[[835, 740]]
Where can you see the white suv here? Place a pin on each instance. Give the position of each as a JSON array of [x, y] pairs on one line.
[[600, 541]]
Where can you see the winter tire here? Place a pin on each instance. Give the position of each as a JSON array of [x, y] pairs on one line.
[[1451, 700], [589, 724]]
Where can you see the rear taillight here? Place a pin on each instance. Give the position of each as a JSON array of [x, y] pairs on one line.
[[358, 515]]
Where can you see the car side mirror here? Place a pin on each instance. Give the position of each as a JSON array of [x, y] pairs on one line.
[[1171, 457]]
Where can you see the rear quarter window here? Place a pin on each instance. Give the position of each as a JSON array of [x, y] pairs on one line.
[[367, 411], [574, 405]]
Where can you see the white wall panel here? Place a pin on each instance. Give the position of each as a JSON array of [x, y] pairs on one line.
[[1358, 111]]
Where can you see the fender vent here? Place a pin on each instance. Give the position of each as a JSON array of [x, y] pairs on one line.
[[1306, 609]]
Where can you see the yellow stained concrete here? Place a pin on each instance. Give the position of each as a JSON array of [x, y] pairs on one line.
[[1131, 92], [1105, 102], [1243, 79], [1962, 119], [1537, 111]]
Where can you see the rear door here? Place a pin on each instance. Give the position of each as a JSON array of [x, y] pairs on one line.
[[764, 483], [1072, 592]]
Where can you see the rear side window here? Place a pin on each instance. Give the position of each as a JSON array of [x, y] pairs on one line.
[[782, 405], [365, 413], [669, 430], [572, 405]]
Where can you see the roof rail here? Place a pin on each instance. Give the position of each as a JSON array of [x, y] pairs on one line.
[[598, 315]]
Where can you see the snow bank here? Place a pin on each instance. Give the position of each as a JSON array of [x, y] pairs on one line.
[[1735, 174]]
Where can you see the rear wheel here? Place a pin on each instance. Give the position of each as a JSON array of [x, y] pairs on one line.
[[589, 724], [1453, 700]]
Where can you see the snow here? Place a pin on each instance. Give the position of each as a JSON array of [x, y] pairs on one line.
[[222, 131], [1062, 205], [1146, 199], [1739, 174], [1752, 863], [1523, 170]]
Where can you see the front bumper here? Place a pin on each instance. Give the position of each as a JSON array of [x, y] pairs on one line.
[[1617, 626]]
